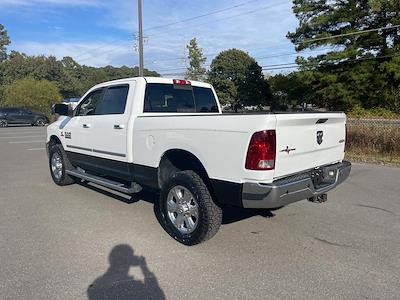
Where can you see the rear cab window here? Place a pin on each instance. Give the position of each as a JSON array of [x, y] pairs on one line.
[[179, 98]]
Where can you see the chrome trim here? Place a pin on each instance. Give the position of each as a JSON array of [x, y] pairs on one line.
[[109, 153], [97, 151], [80, 148]]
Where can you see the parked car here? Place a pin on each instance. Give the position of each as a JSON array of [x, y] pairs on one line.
[[171, 136], [18, 115], [72, 102]]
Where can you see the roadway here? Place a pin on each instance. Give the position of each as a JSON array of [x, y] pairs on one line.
[[81, 241]]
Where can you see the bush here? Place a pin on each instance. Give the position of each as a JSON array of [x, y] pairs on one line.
[[377, 112], [376, 141], [37, 95]]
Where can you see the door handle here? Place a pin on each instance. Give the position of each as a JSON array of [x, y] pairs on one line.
[[86, 125], [119, 126]]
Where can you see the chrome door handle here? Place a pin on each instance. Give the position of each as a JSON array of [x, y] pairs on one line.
[[119, 126], [86, 125]]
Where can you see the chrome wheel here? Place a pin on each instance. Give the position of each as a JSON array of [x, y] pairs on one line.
[[183, 210], [40, 122], [56, 165], [3, 123]]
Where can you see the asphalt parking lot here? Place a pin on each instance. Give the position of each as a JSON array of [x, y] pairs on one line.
[[81, 242]]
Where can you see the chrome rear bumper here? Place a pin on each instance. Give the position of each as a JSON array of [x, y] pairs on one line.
[[294, 188]]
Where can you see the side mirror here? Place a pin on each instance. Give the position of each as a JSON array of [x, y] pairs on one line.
[[61, 109]]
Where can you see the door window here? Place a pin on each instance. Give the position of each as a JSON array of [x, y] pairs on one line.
[[114, 101], [88, 105]]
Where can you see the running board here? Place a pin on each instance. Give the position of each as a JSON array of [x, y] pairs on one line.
[[114, 185]]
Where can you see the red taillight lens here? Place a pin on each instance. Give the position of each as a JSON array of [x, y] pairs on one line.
[[181, 82], [261, 152]]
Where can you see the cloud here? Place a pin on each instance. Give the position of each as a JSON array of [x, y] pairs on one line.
[[92, 53], [52, 2], [259, 28]]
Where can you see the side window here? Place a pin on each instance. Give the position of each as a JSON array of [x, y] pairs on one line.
[[88, 105], [114, 101], [205, 100]]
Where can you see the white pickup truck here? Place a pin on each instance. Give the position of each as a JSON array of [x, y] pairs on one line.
[[171, 136]]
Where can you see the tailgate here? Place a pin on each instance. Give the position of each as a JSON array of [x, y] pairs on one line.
[[305, 141]]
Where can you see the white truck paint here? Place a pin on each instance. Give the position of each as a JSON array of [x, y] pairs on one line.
[[138, 141]]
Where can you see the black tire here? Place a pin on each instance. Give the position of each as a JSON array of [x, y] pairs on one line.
[[40, 122], [3, 123], [64, 179], [209, 214]]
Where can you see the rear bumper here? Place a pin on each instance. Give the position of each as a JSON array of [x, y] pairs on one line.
[[291, 189]]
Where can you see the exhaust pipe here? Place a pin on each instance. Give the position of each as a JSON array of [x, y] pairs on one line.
[[319, 198]]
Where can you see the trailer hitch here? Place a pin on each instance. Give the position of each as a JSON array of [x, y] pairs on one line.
[[319, 198]]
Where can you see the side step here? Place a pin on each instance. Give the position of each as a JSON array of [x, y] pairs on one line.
[[114, 185]]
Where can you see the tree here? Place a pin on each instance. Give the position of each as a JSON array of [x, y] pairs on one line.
[[360, 69], [4, 41], [238, 79], [35, 94], [196, 70], [72, 78], [289, 90]]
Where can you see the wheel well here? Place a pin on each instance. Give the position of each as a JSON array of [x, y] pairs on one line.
[[180, 160], [54, 141]]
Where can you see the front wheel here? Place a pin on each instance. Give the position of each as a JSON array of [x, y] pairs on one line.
[[40, 122], [188, 211], [59, 163], [3, 123]]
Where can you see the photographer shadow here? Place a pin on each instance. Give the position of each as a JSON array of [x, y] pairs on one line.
[[116, 283]]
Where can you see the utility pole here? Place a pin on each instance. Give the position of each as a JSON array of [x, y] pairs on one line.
[[141, 60]]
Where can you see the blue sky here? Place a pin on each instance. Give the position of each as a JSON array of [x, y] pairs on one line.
[[100, 32]]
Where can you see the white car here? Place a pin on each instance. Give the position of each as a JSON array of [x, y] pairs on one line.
[[170, 135]]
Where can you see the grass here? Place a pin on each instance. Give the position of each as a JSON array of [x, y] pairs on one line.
[[373, 143]]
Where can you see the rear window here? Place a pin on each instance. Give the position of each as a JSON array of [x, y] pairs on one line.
[[162, 97]]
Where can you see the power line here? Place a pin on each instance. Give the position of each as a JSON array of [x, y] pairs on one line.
[[201, 16], [294, 65], [94, 50], [348, 34], [174, 23], [256, 57], [225, 18]]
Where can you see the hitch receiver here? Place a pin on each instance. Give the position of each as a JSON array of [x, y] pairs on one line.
[[319, 198]]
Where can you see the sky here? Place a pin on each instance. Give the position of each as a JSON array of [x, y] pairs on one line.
[[100, 32]]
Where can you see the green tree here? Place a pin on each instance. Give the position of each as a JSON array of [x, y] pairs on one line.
[[361, 70], [238, 79], [289, 90], [4, 41], [196, 70], [35, 94]]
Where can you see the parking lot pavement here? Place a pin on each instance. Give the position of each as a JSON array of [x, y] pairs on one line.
[[80, 241]]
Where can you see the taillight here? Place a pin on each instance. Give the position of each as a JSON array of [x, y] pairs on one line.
[[181, 82], [261, 151]]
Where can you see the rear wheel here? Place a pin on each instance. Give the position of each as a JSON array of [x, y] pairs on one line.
[[3, 123], [188, 211], [40, 122], [59, 163]]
